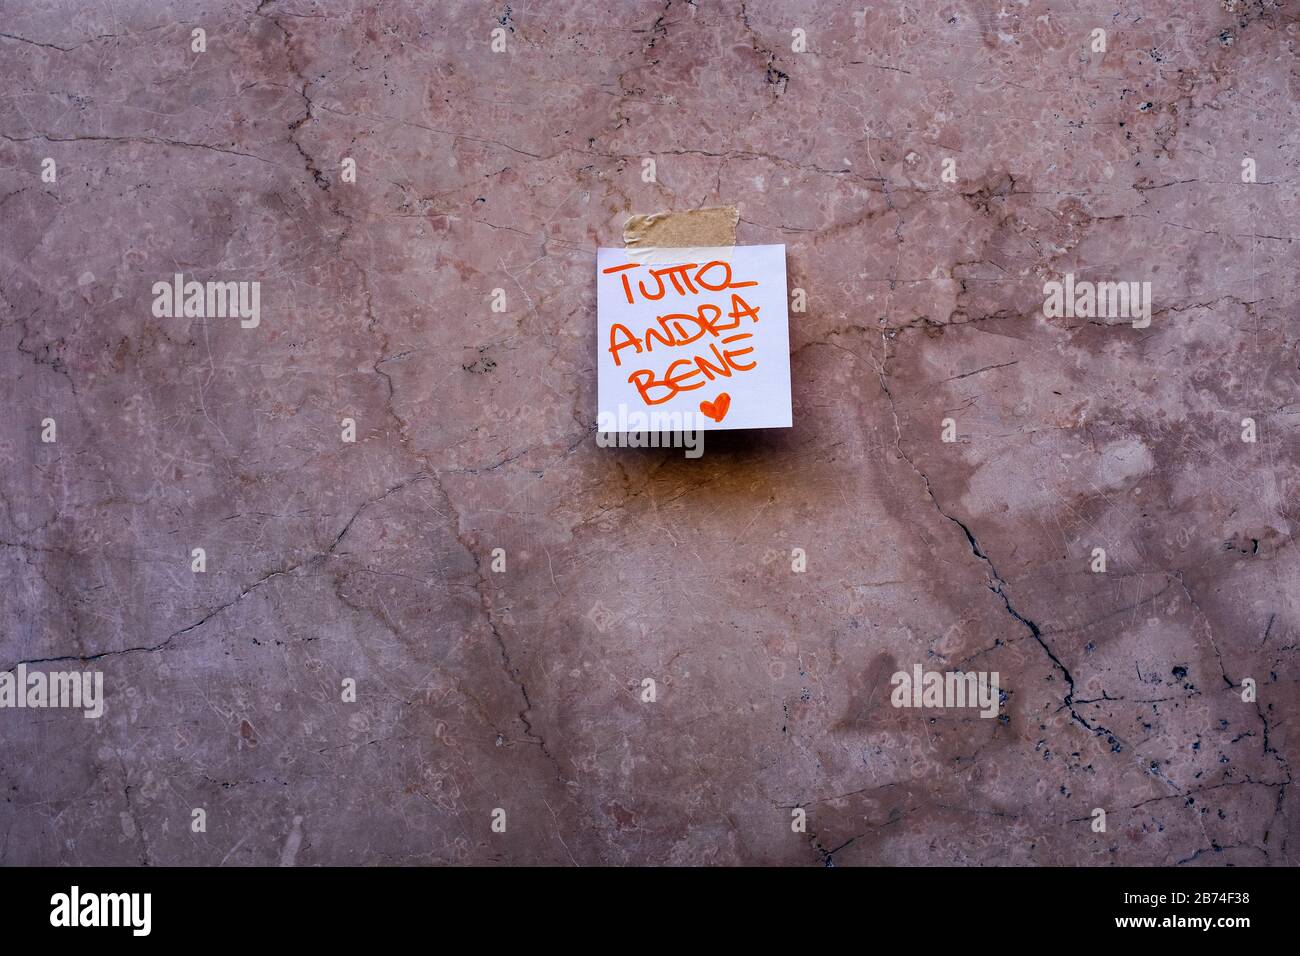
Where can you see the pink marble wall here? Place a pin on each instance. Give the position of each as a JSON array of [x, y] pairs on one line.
[[523, 690]]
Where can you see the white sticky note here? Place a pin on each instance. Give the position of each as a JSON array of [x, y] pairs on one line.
[[692, 338]]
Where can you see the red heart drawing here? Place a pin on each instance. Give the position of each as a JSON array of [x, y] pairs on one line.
[[717, 409]]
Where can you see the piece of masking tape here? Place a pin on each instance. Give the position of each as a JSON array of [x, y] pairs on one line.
[[648, 239]]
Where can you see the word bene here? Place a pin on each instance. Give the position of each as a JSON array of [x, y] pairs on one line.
[[679, 329]]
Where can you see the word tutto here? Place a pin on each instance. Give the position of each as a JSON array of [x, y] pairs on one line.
[[1103, 300], [103, 909], [212, 300], [63, 689], [680, 277], [953, 689], [679, 329], [653, 429]]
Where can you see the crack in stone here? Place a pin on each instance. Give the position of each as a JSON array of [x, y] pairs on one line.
[[136, 140], [317, 176], [485, 602], [135, 818], [75, 46], [1228, 681], [996, 583], [243, 592]]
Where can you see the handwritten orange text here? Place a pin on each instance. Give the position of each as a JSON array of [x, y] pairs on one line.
[[674, 330]]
